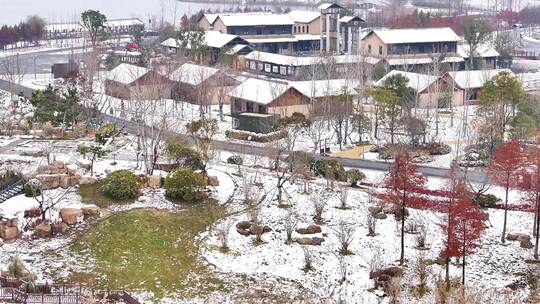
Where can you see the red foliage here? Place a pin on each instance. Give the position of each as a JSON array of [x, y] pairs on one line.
[[403, 179], [465, 225], [506, 164]]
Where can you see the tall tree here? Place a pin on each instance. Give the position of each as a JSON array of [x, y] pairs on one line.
[[402, 180], [498, 102], [504, 169], [94, 22], [387, 108], [465, 226], [531, 188], [476, 32]]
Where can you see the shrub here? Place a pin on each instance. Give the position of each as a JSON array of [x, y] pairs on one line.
[[436, 148], [354, 176], [105, 132], [185, 156], [486, 200], [32, 188], [121, 185], [330, 169], [185, 185], [235, 160], [255, 137]]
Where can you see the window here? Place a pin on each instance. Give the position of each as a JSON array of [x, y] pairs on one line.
[[290, 71], [275, 69], [263, 109], [283, 70], [307, 28], [260, 66], [294, 29], [249, 107], [267, 67], [252, 65], [380, 50], [369, 48], [237, 105]]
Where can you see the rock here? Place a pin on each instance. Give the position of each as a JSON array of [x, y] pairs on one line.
[[74, 180], [45, 169], [243, 232], [31, 213], [154, 181], [311, 229], [213, 181], [315, 241], [70, 216], [375, 209], [526, 243], [90, 212], [58, 164], [87, 180], [380, 216], [65, 181], [257, 230], [49, 181], [59, 228], [43, 230], [84, 163], [243, 225], [9, 233], [72, 169]]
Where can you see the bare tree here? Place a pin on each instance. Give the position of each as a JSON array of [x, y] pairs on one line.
[[290, 222], [319, 205], [308, 259], [371, 223], [223, 234], [12, 70], [344, 233], [343, 195]]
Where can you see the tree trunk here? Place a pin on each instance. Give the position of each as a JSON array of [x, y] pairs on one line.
[[402, 257], [447, 274], [503, 239], [537, 225]]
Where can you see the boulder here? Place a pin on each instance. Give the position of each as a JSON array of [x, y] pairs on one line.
[[49, 181], [72, 169], [243, 225], [59, 164], [314, 241], [375, 209], [64, 181], [87, 180], [243, 232], [46, 169], [380, 216], [311, 229], [70, 216], [74, 180], [59, 228], [84, 163], [43, 230], [154, 181], [9, 233], [526, 243], [90, 212], [257, 230], [213, 181], [32, 213]]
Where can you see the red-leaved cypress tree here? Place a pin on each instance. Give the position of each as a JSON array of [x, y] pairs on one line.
[[504, 169], [465, 226], [402, 180]]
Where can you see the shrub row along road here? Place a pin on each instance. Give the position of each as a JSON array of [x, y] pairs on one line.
[[241, 148]]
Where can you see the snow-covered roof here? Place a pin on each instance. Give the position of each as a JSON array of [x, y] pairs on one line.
[[475, 79], [483, 51], [253, 19], [421, 60], [237, 48], [307, 37], [211, 18], [212, 39], [272, 40], [123, 22], [419, 82], [346, 19], [127, 73], [329, 5], [330, 87], [259, 90], [192, 74], [307, 60], [397, 36], [304, 16]]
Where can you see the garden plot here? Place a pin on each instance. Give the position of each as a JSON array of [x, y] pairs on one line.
[[493, 266]]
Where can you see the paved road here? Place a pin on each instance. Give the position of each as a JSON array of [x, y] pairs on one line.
[[235, 147]]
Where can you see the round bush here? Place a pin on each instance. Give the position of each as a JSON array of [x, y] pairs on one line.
[[184, 185], [121, 185], [330, 169], [354, 176], [105, 132], [235, 160]]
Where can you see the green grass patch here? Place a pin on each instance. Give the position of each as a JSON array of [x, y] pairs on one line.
[[92, 194], [151, 250]]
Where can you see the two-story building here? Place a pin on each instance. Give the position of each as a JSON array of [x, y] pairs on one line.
[[413, 49]]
